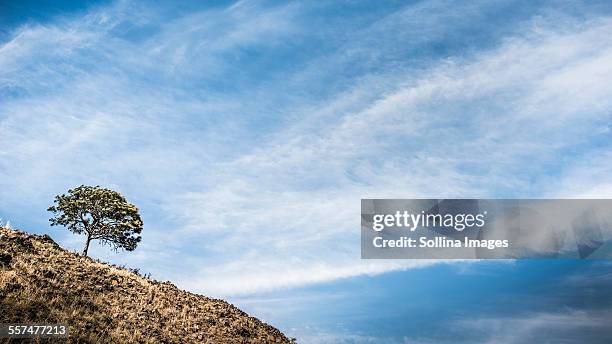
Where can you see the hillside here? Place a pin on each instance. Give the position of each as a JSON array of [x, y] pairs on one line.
[[43, 283]]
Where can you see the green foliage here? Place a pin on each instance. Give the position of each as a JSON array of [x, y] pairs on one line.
[[101, 214]]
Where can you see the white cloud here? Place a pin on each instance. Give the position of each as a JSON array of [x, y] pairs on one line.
[[570, 326], [247, 208], [510, 94]]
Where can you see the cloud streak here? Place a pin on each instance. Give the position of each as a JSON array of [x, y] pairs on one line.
[[252, 185]]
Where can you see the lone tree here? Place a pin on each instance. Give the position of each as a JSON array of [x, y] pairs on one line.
[[101, 214]]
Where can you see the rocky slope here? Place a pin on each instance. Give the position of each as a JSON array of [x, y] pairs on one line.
[[43, 283]]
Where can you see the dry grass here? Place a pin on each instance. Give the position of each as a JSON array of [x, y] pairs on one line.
[[43, 283]]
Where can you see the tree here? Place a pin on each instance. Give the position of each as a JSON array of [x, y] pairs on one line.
[[101, 214]]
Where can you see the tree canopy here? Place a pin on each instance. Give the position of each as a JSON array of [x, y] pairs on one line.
[[101, 214]]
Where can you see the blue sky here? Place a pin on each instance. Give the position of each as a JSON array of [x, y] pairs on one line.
[[247, 133]]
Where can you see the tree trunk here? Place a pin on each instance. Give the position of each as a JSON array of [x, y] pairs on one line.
[[86, 245]]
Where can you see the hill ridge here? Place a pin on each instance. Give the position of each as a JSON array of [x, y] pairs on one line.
[[40, 282]]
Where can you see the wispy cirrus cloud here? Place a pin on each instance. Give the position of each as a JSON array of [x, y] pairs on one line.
[[249, 168]]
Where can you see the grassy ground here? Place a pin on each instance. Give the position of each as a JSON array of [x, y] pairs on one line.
[[43, 283]]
